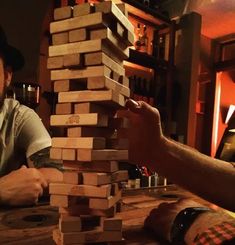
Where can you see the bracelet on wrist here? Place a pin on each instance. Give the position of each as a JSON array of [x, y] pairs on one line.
[[183, 221]]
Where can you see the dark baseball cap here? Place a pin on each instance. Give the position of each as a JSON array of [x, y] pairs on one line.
[[12, 56]]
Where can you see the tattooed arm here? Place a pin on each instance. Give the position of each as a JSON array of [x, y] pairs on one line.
[[51, 169]]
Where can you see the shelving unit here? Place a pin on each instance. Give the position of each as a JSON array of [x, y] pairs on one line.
[[146, 13], [147, 60], [157, 24]]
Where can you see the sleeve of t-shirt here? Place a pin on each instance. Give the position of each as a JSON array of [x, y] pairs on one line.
[[30, 133]]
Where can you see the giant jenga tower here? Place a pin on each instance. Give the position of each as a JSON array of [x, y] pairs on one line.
[[86, 62]]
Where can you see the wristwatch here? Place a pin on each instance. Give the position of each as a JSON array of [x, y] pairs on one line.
[[183, 221]]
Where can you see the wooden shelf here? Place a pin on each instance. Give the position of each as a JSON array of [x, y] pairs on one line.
[[147, 60], [138, 9], [225, 65], [200, 107]]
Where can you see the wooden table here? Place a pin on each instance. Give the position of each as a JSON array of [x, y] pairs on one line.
[[34, 225]]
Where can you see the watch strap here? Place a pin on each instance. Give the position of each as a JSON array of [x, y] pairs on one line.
[[184, 219]]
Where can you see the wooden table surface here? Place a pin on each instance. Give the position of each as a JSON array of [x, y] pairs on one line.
[[34, 225]]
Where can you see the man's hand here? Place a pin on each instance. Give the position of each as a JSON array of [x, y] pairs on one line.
[[160, 220], [145, 133], [22, 187]]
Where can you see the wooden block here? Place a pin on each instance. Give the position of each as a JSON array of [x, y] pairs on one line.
[[109, 97], [61, 85], [116, 188], [90, 236], [116, 77], [92, 119], [121, 100], [59, 201], [88, 222], [82, 9], [98, 166], [68, 85], [88, 107], [110, 45], [98, 34], [120, 29], [89, 132], [90, 178], [123, 8], [55, 153], [82, 210], [114, 41], [71, 60], [55, 62], [81, 143], [77, 35], [119, 176], [76, 47], [130, 38], [62, 13], [111, 9], [84, 223], [101, 58], [118, 122], [93, 71], [69, 154], [100, 155], [117, 144], [127, 37], [66, 201], [96, 178], [64, 108], [95, 20], [80, 190], [107, 83], [125, 81], [60, 38], [72, 177], [70, 224], [111, 224]]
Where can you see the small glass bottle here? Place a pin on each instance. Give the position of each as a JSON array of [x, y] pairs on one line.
[[161, 48], [137, 43], [144, 40]]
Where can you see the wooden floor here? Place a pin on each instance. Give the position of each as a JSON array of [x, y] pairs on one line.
[[34, 225]]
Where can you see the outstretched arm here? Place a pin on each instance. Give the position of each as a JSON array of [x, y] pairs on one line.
[[209, 178]]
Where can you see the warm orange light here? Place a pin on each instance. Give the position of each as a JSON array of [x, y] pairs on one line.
[[138, 67], [216, 114]]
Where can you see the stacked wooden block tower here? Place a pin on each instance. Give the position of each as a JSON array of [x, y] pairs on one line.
[[86, 62]]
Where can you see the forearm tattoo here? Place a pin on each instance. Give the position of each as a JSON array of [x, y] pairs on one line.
[[41, 159]]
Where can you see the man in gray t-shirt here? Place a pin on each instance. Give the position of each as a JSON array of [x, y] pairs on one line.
[[24, 141]]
